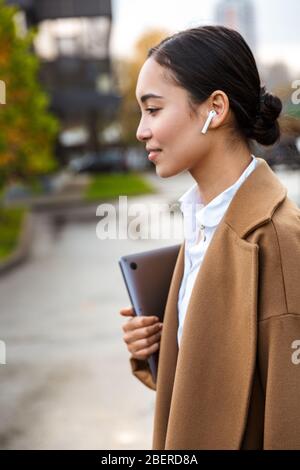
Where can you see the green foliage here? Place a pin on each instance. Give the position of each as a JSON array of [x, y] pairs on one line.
[[127, 72], [10, 227], [113, 185], [27, 129], [293, 110]]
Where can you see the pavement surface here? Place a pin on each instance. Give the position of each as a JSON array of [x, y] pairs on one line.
[[67, 382]]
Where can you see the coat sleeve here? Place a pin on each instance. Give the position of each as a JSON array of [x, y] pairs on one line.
[[141, 371], [279, 357]]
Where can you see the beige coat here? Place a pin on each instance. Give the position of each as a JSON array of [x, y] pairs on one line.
[[235, 381]]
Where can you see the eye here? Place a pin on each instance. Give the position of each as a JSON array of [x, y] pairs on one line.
[[152, 110]]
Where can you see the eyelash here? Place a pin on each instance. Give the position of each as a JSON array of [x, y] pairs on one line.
[[152, 109]]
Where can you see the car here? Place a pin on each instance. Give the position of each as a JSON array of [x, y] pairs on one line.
[[108, 160]]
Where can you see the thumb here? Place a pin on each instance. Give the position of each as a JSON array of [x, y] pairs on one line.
[[127, 312]]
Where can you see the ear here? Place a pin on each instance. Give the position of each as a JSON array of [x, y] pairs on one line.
[[220, 103]]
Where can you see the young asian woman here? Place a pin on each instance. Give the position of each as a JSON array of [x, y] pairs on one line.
[[229, 347]]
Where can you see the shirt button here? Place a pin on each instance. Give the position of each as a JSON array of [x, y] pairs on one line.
[[202, 227]]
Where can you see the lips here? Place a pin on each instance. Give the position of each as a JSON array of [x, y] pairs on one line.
[[151, 149], [153, 154]]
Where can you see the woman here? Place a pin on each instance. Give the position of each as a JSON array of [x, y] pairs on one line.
[[229, 355]]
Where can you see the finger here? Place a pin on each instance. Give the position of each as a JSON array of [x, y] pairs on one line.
[[131, 336], [140, 322], [127, 311], [146, 353], [145, 343]]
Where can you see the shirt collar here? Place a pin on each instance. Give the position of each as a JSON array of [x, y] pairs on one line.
[[210, 215]]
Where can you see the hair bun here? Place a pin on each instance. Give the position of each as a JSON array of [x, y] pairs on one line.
[[266, 128]]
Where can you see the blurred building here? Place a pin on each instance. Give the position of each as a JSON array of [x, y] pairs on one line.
[[276, 76], [239, 15], [73, 45]]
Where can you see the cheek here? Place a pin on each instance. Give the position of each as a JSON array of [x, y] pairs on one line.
[[164, 131], [172, 130], [188, 147], [185, 138], [167, 122]]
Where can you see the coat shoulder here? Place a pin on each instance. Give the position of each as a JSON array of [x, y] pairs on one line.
[[282, 229], [279, 261], [286, 227]]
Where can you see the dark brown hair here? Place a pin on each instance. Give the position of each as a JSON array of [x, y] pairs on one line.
[[209, 58]]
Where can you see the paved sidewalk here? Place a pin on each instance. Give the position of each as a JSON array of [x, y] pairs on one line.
[[67, 383]]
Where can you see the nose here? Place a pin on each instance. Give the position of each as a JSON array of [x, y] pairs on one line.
[[143, 133]]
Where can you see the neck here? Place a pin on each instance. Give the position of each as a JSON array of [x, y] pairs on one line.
[[219, 170]]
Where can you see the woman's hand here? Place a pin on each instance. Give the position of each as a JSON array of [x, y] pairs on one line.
[[141, 334]]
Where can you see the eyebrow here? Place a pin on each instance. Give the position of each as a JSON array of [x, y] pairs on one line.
[[149, 95]]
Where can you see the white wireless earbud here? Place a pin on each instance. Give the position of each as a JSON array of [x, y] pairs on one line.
[[210, 117]]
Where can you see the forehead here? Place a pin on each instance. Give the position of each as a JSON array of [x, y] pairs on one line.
[[153, 79]]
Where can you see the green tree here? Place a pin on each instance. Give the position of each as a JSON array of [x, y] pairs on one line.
[[127, 73], [27, 129]]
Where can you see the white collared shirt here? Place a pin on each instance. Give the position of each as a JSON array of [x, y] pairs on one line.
[[200, 223]]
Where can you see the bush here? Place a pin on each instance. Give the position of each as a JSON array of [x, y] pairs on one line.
[[113, 185], [10, 229]]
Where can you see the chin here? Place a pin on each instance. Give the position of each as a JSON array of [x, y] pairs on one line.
[[166, 172]]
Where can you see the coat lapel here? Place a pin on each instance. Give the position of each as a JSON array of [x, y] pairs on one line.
[[216, 360], [168, 352], [203, 390]]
